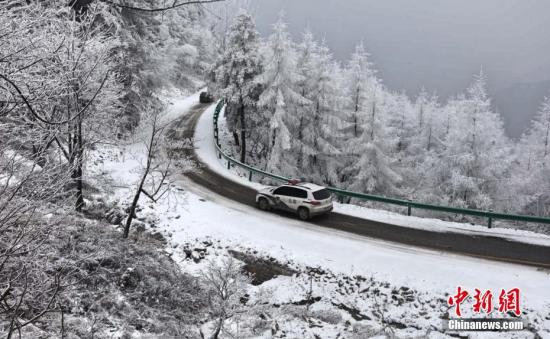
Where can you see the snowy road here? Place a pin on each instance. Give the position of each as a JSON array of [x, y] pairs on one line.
[[483, 246]]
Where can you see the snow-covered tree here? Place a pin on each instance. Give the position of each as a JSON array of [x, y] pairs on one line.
[[373, 169], [306, 64], [225, 286], [367, 166], [430, 117], [536, 141], [89, 101], [318, 119], [475, 159], [236, 75], [362, 86], [33, 182], [399, 123], [532, 169], [279, 99], [66, 84]]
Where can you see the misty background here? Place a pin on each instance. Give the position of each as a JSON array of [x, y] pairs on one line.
[[438, 45]]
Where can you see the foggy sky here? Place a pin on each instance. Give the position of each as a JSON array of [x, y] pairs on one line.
[[437, 44]]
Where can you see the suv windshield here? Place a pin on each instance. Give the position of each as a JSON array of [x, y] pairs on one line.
[[321, 194]]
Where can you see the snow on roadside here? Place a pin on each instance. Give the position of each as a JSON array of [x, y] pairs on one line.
[[191, 217], [198, 218], [206, 151], [209, 215]]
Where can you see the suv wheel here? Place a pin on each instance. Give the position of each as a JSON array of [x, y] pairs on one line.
[[263, 204], [303, 213]]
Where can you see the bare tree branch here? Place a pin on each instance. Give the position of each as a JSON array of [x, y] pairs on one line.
[[174, 5]]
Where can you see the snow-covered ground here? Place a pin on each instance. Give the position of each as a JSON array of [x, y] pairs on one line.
[[393, 287]]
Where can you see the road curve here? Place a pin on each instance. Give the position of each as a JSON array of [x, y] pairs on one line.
[[480, 246]]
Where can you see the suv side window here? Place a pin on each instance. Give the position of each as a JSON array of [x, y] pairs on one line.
[[298, 193], [282, 191], [321, 194], [291, 192]]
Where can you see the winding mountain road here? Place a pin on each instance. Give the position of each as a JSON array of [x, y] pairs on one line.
[[480, 246]]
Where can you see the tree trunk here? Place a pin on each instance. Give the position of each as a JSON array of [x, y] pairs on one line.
[[243, 133], [236, 138], [430, 139], [133, 207], [372, 120], [421, 117], [546, 141], [77, 166], [216, 333], [77, 176], [356, 112]]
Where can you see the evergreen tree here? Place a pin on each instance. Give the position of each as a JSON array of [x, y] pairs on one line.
[[373, 167], [536, 141], [236, 77], [531, 182], [316, 137], [306, 68], [430, 122], [476, 156], [279, 100], [362, 84], [368, 164]]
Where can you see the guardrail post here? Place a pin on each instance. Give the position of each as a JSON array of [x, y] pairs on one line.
[[250, 176], [228, 164], [409, 209], [490, 224]]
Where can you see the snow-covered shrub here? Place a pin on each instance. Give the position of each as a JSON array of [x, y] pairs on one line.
[[225, 286], [115, 285]]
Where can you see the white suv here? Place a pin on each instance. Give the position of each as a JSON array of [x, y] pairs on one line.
[[307, 200]]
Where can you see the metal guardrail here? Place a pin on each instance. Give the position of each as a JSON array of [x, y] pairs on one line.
[[490, 215]]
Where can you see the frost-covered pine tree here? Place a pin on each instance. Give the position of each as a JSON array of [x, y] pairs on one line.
[[531, 182], [362, 86], [368, 165], [306, 64], [236, 75], [476, 156], [425, 147], [328, 118], [306, 68], [399, 122], [373, 168], [279, 99], [421, 134], [430, 122], [317, 137], [537, 140]]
